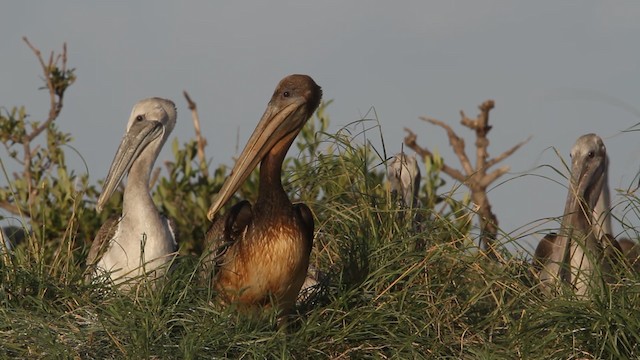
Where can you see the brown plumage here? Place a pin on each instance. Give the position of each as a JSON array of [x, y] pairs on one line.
[[631, 251], [258, 255], [543, 250]]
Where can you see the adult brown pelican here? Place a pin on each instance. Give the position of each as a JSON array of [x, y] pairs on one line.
[[141, 241], [260, 253], [404, 179], [575, 256]]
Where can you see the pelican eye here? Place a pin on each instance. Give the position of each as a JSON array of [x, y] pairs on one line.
[[139, 118], [286, 94], [591, 154]]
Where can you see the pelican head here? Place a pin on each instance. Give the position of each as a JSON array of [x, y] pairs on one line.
[[588, 172], [150, 123], [295, 99]]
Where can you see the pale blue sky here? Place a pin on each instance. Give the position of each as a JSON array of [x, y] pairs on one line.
[[556, 69]]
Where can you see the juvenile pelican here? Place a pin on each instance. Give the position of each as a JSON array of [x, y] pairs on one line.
[[602, 226], [576, 254], [404, 179], [141, 241], [260, 253]]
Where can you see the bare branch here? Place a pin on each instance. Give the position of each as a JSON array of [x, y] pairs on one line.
[[506, 154], [410, 141], [14, 209], [202, 142], [50, 71], [55, 105], [493, 176], [476, 179], [456, 142]]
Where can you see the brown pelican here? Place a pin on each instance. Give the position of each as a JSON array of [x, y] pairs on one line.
[[261, 252], [576, 254], [141, 241], [404, 179]]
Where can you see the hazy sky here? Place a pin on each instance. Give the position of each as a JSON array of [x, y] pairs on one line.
[[556, 69]]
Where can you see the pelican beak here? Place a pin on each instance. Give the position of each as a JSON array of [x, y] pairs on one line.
[[276, 123], [587, 175], [139, 135]]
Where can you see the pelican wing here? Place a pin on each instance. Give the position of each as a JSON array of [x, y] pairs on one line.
[[306, 219], [224, 232], [101, 243]]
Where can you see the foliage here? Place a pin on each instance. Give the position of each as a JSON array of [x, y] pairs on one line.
[[51, 201]]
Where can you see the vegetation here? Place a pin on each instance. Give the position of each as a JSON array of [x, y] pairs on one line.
[[390, 289]]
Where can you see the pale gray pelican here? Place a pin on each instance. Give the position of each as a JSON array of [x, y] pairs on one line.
[[141, 241], [576, 255], [404, 179], [259, 255]]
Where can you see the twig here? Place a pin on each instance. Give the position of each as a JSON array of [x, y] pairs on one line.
[[456, 142], [410, 141], [55, 105], [202, 142], [56, 96], [507, 153], [14, 209]]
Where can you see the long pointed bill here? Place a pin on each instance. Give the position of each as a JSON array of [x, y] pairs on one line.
[[275, 124], [587, 181], [133, 143]]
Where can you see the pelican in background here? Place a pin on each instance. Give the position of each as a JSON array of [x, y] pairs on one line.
[[141, 241], [259, 255], [576, 254], [404, 179], [601, 226]]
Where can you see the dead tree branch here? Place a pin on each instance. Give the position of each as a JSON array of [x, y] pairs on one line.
[[456, 142], [202, 142], [410, 141], [477, 178]]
